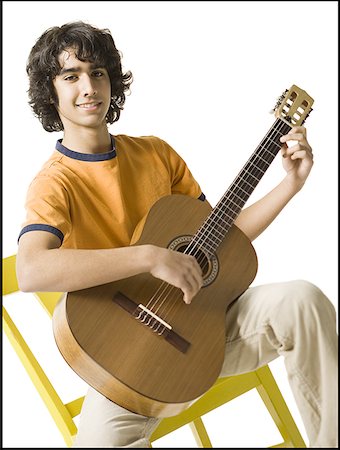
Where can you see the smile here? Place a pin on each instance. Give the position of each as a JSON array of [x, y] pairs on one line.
[[89, 106]]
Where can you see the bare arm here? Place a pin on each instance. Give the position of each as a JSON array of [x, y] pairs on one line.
[[257, 217], [43, 266], [297, 162]]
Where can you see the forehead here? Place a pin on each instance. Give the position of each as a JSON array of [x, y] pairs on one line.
[[69, 62], [68, 58]]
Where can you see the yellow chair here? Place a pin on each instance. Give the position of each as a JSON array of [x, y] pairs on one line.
[[224, 390]]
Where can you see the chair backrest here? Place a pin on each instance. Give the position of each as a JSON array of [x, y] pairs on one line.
[[62, 413]]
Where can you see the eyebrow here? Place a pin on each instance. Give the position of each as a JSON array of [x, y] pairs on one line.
[[78, 69]]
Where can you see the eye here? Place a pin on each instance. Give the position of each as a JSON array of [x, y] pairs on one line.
[[98, 73], [70, 78]]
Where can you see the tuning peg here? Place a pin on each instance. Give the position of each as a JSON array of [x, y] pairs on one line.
[[304, 120], [277, 104], [311, 109], [279, 101]]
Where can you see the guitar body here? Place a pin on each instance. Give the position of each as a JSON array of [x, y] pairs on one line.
[[100, 335]]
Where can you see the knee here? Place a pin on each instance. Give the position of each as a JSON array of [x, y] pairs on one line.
[[308, 299]]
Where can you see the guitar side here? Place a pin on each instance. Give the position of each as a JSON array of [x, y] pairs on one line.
[[120, 356]]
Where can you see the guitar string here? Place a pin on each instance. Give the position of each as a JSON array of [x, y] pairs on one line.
[[196, 245], [242, 178], [197, 242]]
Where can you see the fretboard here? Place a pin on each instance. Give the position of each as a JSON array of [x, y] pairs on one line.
[[216, 226]]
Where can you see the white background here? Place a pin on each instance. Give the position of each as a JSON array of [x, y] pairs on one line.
[[206, 75]]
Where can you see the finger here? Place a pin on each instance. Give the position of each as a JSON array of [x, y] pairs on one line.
[[187, 298], [196, 271], [300, 154], [192, 283], [297, 147], [188, 292], [195, 280], [292, 137], [284, 149], [300, 129]]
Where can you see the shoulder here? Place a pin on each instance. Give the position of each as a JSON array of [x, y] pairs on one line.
[[145, 146], [52, 175], [141, 142]]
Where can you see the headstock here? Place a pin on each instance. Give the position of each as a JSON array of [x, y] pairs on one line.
[[293, 106]]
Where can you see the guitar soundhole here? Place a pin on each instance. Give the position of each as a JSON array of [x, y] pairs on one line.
[[208, 263], [200, 257]]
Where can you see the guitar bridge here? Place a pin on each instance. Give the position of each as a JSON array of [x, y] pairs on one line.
[[152, 321]]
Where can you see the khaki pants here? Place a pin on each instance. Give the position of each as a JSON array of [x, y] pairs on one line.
[[294, 320]]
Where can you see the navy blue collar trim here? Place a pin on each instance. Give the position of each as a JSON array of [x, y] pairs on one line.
[[87, 156]]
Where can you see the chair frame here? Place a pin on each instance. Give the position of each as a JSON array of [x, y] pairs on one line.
[[224, 390]]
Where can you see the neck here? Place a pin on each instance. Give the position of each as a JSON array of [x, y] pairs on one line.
[[222, 217], [88, 140]]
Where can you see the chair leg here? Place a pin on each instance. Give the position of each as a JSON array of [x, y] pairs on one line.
[[200, 433], [278, 409], [56, 407]]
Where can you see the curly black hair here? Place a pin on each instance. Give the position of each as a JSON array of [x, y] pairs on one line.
[[90, 44]]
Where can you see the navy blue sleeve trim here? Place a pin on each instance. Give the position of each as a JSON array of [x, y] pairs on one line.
[[201, 197], [42, 227]]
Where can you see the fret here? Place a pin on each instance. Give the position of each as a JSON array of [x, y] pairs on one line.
[[241, 188], [211, 225], [275, 143], [232, 201], [273, 148], [250, 185], [223, 223], [264, 160], [256, 179], [216, 226], [225, 212], [210, 248], [254, 166]]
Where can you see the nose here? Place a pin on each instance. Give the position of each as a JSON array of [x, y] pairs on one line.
[[88, 88]]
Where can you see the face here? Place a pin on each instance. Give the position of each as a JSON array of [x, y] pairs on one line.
[[83, 91]]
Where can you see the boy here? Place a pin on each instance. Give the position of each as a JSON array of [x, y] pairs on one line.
[[94, 190]]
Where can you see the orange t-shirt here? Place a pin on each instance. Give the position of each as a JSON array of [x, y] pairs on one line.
[[97, 200]]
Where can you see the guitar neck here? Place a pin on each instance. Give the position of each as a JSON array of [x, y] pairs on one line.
[[216, 226]]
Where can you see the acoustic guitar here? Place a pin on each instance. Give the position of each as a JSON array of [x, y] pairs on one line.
[[135, 340]]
